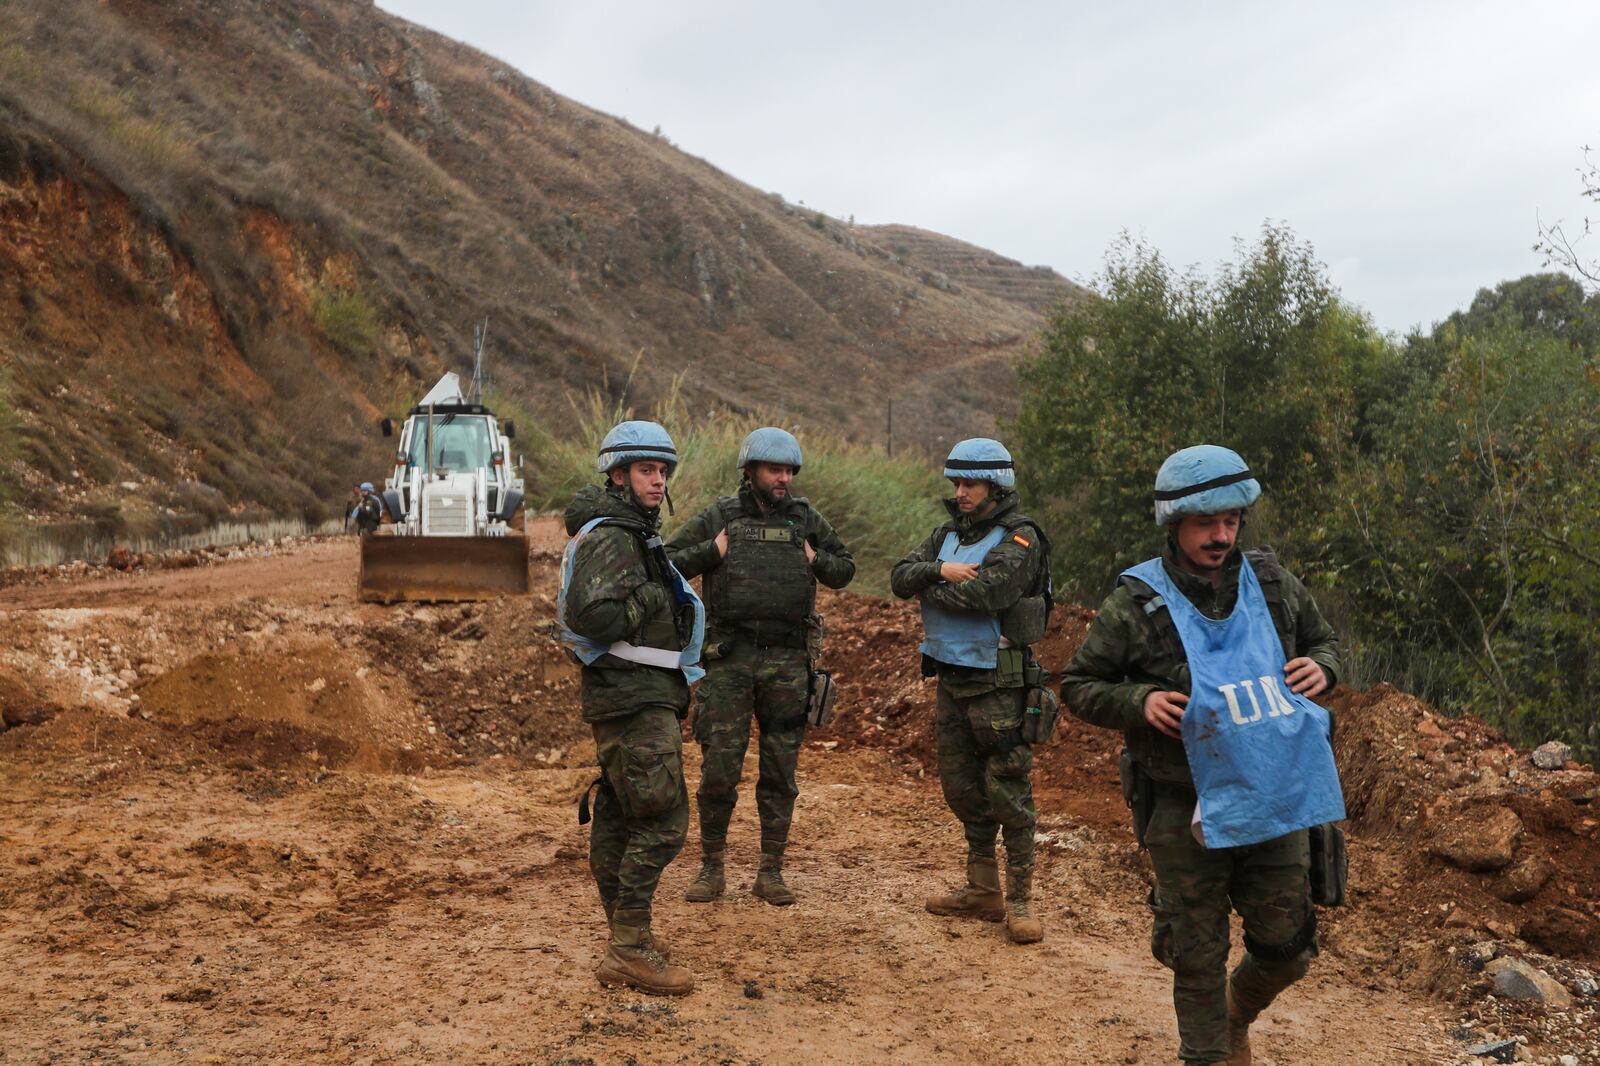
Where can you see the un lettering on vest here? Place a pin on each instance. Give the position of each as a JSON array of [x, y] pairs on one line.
[[1277, 703]]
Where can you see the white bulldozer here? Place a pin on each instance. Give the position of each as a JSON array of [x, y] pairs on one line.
[[458, 529]]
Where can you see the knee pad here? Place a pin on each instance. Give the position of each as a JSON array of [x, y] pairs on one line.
[[1302, 943]]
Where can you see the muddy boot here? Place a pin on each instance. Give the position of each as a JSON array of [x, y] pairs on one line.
[[980, 897], [654, 941], [632, 961], [708, 884], [1238, 1033], [769, 880], [1021, 926]]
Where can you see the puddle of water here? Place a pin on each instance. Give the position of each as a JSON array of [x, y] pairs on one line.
[[62, 542]]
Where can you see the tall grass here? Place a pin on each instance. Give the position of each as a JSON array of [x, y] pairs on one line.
[[881, 506]]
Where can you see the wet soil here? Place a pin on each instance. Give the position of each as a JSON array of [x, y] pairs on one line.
[[251, 819]]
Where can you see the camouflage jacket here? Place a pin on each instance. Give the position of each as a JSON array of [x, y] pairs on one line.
[[1128, 653], [619, 592], [1010, 571], [693, 548]]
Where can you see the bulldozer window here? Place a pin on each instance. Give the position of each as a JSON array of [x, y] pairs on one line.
[[459, 443]]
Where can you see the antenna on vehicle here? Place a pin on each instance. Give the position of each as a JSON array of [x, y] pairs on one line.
[[480, 331]]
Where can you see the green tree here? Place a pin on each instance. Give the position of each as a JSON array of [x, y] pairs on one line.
[[1263, 358]]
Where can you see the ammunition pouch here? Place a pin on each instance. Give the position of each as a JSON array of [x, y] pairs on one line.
[[1330, 866], [1138, 792], [820, 700], [1010, 667], [1041, 707], [1303, 941], [1024, 622], [1040, 714]]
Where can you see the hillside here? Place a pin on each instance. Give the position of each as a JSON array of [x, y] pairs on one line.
[[234, 234], [967, 266]]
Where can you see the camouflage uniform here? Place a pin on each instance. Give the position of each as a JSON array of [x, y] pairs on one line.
[[369, 514], [618, 592], [1128, 654], [984, 767], [760, 633]]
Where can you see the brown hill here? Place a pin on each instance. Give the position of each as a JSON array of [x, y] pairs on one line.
[[233, 234], [945, 261]]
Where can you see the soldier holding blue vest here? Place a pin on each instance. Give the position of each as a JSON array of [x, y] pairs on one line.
[[1207, 658], [637, 627], [983, 579]]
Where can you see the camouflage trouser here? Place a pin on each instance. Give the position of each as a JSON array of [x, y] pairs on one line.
[[1267, 883], [990, 792], [769, 685], [641, 811]]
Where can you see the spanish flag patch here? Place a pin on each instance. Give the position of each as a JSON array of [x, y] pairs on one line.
[[1020, 539]]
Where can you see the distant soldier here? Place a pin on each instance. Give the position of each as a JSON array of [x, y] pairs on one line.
[[369, 511], [637, 627], [984, 582], [762, 553], [352, 504], [1206, 659]]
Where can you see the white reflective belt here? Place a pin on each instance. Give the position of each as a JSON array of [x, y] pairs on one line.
[[665, 658]]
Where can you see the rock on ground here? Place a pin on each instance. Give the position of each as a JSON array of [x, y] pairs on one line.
[[1515, 978], [1480, 846]]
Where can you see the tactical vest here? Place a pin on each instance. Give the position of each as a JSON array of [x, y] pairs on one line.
[[968, 639], [1270, 574], [659, 642], [765, 576], [963, 638], [1160, 756]]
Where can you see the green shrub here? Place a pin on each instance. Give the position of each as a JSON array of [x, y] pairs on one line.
[[346, 318], [881, 507]]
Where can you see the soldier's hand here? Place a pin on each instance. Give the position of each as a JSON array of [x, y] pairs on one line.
[[811, 553], [1164, 712], [1305, 677], [955, 573], [721, 542]]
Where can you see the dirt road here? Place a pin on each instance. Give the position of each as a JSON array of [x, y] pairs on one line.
[[266, 823]]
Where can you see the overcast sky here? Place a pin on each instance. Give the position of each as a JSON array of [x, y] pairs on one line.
[[1415, 145]]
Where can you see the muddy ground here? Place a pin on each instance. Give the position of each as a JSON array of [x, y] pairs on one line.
[[246, 818]]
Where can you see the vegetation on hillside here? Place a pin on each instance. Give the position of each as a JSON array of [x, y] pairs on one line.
[[1441, 491], [881, 506]]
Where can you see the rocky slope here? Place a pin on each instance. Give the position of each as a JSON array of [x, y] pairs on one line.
[[233, 234]]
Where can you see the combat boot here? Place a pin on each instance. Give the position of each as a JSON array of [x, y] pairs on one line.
[[1238, 1032], [1021, 926], [652, 940], [709, 883], [632, 961], [769, 880], [980, 897]]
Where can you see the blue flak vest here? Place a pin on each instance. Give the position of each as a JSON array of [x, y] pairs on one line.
[[963, 638], [1260, 754], [588, 651]]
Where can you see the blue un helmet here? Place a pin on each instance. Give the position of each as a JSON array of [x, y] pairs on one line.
[[981, 459], [1204, 479], [631, 441], [769, 444], [366, 486]]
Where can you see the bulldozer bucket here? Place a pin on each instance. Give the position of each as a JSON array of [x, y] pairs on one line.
[[396, 569]]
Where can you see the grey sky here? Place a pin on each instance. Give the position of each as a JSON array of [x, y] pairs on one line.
[[1414, 145]]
